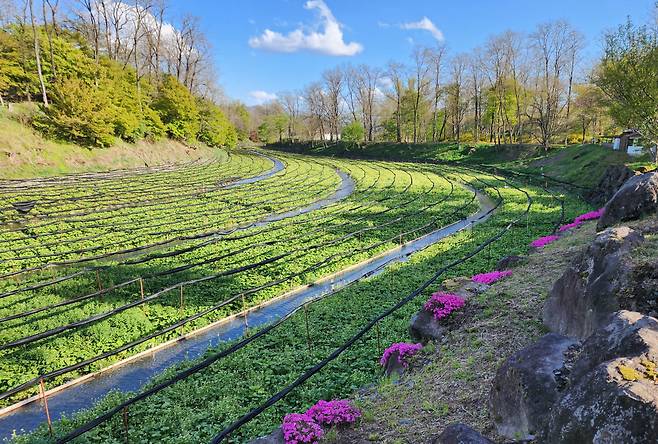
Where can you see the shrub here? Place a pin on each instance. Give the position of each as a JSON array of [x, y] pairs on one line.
[[491, 277], [214, 127], [300, 428], [177, 109], [331, 413], [442, 304], [404, 350], [589, 216], [352, 133], [569, 226]]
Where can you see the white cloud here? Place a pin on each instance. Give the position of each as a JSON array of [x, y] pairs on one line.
[[425, 24], [260, 97], [328, 39]]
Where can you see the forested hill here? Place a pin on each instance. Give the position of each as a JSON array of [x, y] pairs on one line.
[[98, 81]]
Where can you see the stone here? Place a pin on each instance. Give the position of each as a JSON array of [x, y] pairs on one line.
[[276, 437], [608, 405], [394, 367], [509, 262], [586, 294], [424, 328], [461, 434], [636, 198], [612, 180], [628, 334], [528, 384]]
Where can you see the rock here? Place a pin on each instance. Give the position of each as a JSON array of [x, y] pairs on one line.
[[424, 328], [628, 334], [607, 407], [509, 262], [276, 437], [528, 384], [393, 366], [636, 198], [586, 294], [460, 434], [612, 180]]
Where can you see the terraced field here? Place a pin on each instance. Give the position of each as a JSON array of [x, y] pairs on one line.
[[106, 266]]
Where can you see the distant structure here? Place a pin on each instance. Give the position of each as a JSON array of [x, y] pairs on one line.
[[628, 141]]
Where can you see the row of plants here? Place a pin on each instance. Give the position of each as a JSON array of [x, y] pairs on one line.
[[195, 409], [388, 201]]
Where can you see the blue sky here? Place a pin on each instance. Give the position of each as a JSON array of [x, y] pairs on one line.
[[373, 31]]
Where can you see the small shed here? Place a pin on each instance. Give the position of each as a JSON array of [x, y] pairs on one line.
[[628, 141]]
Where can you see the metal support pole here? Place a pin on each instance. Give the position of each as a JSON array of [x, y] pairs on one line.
[[308, 332], [125, 423]]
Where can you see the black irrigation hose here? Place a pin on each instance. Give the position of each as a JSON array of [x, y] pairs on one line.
[[182, 375], [180, 323]]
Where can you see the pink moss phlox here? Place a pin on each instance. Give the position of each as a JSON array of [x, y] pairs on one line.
[[569, 226], [589, 216], [442, 304], [300, 428], [331, 413], [543, 241], [491, 277], [404, 351]]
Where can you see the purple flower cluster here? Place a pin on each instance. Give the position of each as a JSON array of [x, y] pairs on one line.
[[337, 412], [404, 351], [491, 277], [543, 241], [305, 428], [300, 428], [442, 304], [589, 216], [582, 218]]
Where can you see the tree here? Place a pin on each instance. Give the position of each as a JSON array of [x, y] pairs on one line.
[[627, 74], [37, 53], [177, 109], [396, 72], [214, 127], [11, 74], [589, 108], [353, 132]]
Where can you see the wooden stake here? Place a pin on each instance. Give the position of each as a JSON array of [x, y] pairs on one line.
[[308, 332], [125, 422], [42, 389], [141, 287], [246, 313], [98, 280], [182, 299]]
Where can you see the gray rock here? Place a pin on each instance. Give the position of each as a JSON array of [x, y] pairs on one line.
[[636, 198], [604, 407], [528, 384], [612, 180], [586, 294], [393, 366], [628, 334], [424, 328], [509, 262], [461, 434], [276, 437]]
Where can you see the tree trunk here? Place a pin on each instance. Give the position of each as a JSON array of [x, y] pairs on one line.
[[37, 55]]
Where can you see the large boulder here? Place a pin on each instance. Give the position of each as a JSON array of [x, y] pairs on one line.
[[586, 294], [628, 334], [528, 384], [510, 262], [276, 437], [612, 180], [613, 387], [636, 198], [461, 434]]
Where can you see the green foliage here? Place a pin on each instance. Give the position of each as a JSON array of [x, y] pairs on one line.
[[177, 109], [353, 132], [80, 113], [628, 74], [214, 128]]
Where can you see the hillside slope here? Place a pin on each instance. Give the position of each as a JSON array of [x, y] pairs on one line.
[[25, 153]]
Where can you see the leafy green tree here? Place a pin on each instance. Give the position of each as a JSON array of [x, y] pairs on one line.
[[628, 75], [353, 132], [79, 112], [177, 109], [215, 128], [11, 74]]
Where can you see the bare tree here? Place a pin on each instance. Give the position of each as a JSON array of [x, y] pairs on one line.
[[421, 70], [367, 78], [396, 72], [435, 59], [333, 84], [291, 103], [37, 54], [458, 104]]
